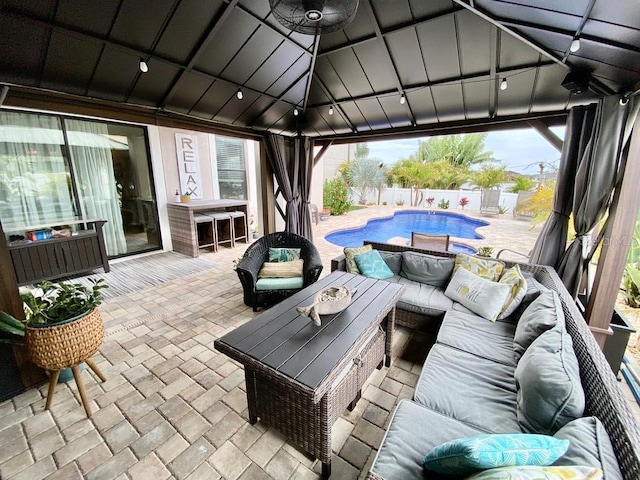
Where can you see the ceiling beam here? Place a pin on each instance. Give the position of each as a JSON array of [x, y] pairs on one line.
[[543, 129], [312, 66], [396, 29], [412, 88], [332, 102], [385, 48], [214, 27], [321, 153], [578, 31], [494, 49], [448, 128]]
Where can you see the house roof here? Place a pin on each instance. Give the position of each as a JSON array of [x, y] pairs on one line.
[[447, 57]]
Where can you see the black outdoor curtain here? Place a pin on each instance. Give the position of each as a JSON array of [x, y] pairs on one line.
[[552, 240], [595, 181], [292, 162]]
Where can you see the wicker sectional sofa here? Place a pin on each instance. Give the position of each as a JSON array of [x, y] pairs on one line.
[[468, 383]]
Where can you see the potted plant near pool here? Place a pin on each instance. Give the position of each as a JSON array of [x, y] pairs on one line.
[[63, 329]]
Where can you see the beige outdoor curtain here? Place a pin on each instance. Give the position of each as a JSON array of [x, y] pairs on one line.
[[596, 176]]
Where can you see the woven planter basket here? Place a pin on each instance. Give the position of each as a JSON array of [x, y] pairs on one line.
[[62, 346]]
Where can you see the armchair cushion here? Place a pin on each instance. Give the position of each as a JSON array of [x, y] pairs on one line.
[[281, 269], [279, 283], [283, 254]]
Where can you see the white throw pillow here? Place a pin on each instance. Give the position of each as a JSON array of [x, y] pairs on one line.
[[514, 278], [481, 296]]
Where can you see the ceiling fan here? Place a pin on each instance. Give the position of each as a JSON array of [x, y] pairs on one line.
[[314, 17]]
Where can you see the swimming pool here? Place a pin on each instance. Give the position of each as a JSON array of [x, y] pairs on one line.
[[402, 223]]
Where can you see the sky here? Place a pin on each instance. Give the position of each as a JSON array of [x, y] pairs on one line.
[[520, 150]]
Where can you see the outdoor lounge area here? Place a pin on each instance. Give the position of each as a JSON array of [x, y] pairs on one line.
[[194, 156]]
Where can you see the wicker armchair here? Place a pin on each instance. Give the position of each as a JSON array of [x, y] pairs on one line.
[[257, 253]]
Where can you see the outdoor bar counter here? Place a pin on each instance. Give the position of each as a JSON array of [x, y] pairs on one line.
[[183, 230]]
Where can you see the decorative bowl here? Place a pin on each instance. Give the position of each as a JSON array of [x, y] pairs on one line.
[[327, 301]]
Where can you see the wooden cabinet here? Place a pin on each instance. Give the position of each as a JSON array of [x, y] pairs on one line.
[[60, 257]]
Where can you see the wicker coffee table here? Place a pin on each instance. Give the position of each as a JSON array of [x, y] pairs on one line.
[[301, 377]]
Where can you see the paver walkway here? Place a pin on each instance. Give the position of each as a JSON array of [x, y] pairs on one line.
[[173, 407]]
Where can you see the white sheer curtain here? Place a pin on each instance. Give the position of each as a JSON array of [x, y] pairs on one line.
[[34, 177], [93, 169]]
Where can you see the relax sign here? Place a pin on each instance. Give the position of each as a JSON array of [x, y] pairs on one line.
[[188, 165]]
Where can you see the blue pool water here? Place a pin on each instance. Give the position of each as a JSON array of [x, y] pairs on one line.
[[402, 223]]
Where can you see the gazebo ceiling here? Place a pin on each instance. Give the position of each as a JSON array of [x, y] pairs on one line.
[[447, 57]]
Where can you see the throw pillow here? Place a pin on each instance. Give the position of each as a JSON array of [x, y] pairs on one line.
[[514, 278], [428, 269], [543, 314], [393, 260], [283, 254], [481, 296], [589, 444], [467, 455], [539, 473], [281, 269], [483, 267], [372, 265], [549, 391], [350, 255]]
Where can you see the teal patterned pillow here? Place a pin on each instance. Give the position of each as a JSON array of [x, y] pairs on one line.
[[468, 455], [372, 265], [284, 254]]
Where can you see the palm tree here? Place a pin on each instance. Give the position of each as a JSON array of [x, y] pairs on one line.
[[522, 184], [491, 175], [366, 175], [459, 150]]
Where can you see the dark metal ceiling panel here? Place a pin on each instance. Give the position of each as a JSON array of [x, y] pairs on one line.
[[474, 36], [139, 22], [107, 84], [476, 98], [234, 107], [190, 88], [373, 113], [22, 55], [397, 114], [214, 99], [565, 15], [328, 76], [351, 75], [361, 26], [69, 64], [511, 101], [422, 9], [375, 62], [448, 102], [152, 87], [257, 105], [188, 25], [547, 96], [317, 123], [295, 95], [39, 8], [277, 112], [622, 35], [391, 13], [317, 95], [618, 13], [275, 65], [441, 56], [354, 116], [513, 52], [225, 44], [95, 17], [331, 40], [406, 54], [261, 45], [421, 102], [289, 76]]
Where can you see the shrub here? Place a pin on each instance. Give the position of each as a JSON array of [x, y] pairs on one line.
[[443, 204], [429, 201], [336, 196], [463, 202], [502, 209]]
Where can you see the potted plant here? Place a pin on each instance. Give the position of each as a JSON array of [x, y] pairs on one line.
[[325, 213], [485, 251], [63, 328], [429, 201], [464, 201]]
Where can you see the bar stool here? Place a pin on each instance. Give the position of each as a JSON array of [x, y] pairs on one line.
[[240, 226], [223, 228], [206, 232]]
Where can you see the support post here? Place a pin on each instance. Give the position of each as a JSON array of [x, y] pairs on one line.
[[616, 242]]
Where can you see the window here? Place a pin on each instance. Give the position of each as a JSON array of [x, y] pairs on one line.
[[232, 165]]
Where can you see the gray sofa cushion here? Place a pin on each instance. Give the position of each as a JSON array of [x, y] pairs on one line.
[[471, 389], [427, 269], [547, 377], [393, 260], [543, 314], [473, 334], [589, 445], [421, 298], [413, 432]]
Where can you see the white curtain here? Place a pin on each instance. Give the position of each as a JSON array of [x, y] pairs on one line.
[[95, 180], [34, 177]]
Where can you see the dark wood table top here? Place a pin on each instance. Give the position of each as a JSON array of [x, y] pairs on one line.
[[293, 345]]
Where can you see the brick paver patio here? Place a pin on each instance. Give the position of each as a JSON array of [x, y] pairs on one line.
[[173, 407]]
